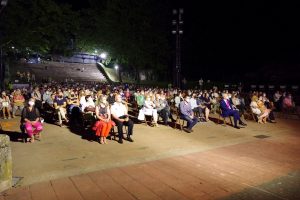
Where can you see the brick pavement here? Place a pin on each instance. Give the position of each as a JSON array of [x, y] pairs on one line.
[[213, 174]]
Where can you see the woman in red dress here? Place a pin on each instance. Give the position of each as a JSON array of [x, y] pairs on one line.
[[104, 123]]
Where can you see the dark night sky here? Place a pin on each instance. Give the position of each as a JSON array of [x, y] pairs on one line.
[[234, 37], [239, 35]]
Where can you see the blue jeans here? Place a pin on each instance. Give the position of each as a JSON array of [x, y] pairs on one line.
[[191, 122]]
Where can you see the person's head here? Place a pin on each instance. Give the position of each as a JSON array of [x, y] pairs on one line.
[[157, 96], [148, 98], [72, 94], [18, 92], [118, 98], [3, 93], [31, 102], [225, 96], [103, 99], [260, 98], [187, 98], [60, 95]]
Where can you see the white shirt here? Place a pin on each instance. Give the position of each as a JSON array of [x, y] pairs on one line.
[[193, 103], [177, 101], [118, 109]]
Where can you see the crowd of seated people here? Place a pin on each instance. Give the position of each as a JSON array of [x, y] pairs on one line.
[[107, 104]]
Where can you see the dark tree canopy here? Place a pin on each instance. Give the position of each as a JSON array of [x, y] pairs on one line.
[[134, 33]]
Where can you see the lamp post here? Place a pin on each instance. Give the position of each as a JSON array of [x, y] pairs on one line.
[[118, 72], [3, 3], [177, 23]]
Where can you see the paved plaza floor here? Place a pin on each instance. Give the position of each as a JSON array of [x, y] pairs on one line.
[[260, 161]]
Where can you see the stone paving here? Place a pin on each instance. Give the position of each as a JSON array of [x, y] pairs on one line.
[[213, 162]]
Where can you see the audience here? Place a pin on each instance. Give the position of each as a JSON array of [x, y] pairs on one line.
[[154, 102]]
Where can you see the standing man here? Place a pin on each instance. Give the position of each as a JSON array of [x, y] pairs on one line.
[[201, 84], [120, 116]]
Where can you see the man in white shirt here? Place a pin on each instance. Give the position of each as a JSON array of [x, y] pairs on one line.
[[119, 114]]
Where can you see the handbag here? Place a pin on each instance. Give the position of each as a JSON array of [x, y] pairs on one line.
[[90, 109]]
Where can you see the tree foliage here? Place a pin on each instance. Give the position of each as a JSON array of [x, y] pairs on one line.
[[133, 32], [39, 25]]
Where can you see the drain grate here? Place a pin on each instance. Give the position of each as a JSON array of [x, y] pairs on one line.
[[261, 136]]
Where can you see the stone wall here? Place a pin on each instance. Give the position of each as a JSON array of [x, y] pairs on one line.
[[5, 163]]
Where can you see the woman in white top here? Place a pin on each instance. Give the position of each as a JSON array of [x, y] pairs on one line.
[[5, 105], [254, 108], [149, 109]]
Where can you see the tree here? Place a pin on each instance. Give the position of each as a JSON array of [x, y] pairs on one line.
[[39, 25]]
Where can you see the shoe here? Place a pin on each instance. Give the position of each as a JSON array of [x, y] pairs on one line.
[[237, 127], [187, 130], [243, 124], [129, 139], [120, 141]]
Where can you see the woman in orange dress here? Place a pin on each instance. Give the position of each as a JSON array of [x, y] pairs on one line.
[[104, 123]]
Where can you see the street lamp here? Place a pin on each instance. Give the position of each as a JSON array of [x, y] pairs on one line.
[[177, 23], [3, 3], [103, 55], [118, 72]]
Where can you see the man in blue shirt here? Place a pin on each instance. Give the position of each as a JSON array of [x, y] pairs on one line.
[[187, 114]]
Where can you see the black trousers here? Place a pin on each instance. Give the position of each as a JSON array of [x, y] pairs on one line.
[[120, 125], [165, 114]]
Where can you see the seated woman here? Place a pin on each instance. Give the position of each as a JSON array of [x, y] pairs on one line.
[[288, 103], [265, 112], [104, 123], [31, 119], [254, 107], [88, 104], [5, 105], [148, 109], [18, 102]]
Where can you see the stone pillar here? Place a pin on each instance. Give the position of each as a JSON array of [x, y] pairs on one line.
[[5, 163]]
